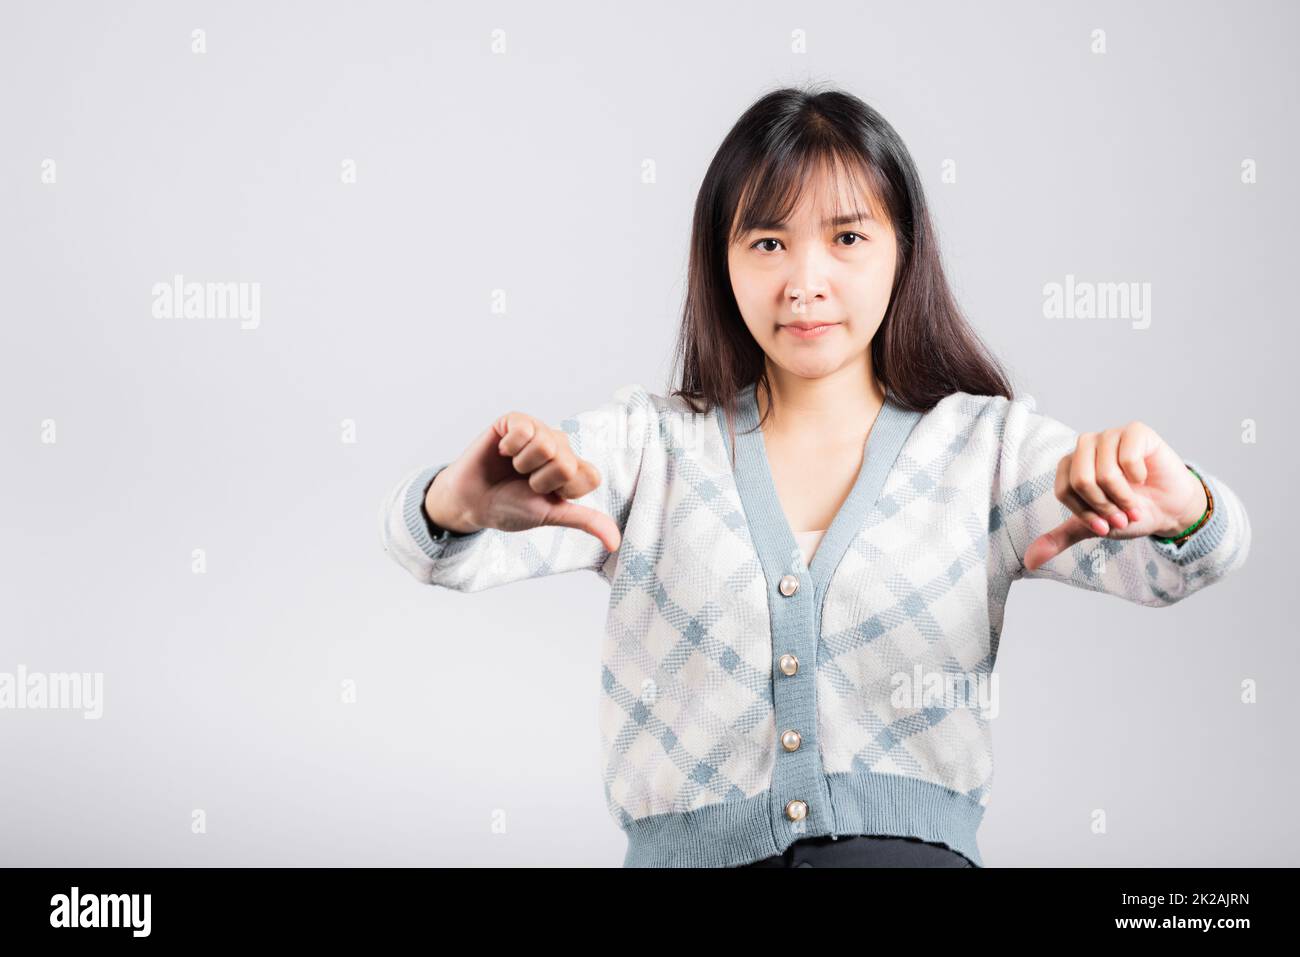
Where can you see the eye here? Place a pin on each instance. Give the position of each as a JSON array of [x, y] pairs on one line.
[[757, 243]]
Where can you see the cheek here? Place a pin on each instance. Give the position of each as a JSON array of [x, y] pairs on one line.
[[753, 293], [875, 281], [740, 283]]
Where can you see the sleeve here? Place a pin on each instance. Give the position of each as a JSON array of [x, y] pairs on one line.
[[1141, 570], [612, 437]]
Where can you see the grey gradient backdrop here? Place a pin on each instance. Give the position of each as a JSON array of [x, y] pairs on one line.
[[522, 172]]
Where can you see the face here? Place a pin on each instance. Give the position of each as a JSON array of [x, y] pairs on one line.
[[813, 292]]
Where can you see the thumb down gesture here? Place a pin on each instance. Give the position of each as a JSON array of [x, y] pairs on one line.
[[1120, 483], [519, 474]]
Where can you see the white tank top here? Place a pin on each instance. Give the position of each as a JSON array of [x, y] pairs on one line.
[[808, 542]]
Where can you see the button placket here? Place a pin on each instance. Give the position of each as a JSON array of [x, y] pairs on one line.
[[791, 739], [799, 788], [795, 782]]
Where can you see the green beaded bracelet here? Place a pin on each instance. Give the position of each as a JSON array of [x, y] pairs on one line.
[[1209, 507]]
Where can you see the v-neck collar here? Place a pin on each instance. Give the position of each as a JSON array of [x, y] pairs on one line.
[[770, 530]]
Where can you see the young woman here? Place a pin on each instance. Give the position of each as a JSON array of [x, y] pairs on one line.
[[810, 541]]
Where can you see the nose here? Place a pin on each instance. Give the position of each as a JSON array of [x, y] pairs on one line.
[[807, 280], [802, 296]]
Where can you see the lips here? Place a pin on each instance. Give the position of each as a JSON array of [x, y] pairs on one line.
[[808, 330]]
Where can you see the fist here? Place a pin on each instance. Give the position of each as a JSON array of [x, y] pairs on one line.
[[518, 474], [1120, 483]]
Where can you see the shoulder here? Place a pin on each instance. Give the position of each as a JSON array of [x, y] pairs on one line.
[[663, 411], [633, 415], [993, 423], [966, 411], [971, 404]]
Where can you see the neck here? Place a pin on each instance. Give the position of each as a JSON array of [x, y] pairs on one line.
[[844, 402]]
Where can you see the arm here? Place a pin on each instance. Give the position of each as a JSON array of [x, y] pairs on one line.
[[612, 437], [1141, 570]]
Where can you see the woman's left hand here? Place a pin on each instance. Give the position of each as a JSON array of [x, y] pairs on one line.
[[1120, 483]]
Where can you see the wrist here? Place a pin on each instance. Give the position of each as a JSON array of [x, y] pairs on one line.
[[443, 517], [1194, 515]]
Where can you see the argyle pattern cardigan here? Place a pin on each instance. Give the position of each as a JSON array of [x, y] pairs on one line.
[[720, 642]]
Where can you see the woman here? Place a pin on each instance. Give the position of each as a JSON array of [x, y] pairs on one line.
[[816, 531]]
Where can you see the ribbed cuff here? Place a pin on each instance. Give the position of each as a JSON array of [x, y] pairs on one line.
[[431, 539], [1205, 538]]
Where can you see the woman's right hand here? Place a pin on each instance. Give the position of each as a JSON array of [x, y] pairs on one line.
[[518, 474]]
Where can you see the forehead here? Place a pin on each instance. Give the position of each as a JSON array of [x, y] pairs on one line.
[[784, 196], [830, 204]]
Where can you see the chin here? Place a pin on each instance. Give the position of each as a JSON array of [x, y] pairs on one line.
[[811, 370]]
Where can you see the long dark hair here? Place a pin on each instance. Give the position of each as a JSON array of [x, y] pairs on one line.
[[924, 349]]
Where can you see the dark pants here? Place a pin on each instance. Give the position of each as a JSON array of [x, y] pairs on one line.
[[865, 851]]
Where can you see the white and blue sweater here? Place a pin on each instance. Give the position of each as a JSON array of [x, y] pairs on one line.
[[719, 641]]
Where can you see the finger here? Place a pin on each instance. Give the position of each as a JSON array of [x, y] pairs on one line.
[[516, 430], [587, 520], [566, 475], [1111, 479], [1071, 500], [553, 476], [1050, 544], [1134, 446], [1080, 508], [487, 441], [589, 478], [485, 453], [541, 449], [1083, 477]]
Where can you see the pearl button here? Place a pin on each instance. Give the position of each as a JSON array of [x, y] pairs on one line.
[[796, 810], [789, 585], [791, 740], [789, 664]]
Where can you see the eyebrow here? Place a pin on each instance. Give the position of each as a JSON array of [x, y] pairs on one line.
[[833, 221]]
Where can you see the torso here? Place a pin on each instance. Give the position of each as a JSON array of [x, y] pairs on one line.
[[812, 478]]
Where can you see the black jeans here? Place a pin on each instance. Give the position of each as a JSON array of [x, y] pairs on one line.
[[865, 850]]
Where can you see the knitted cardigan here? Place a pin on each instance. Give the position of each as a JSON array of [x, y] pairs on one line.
[[748, 701]]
